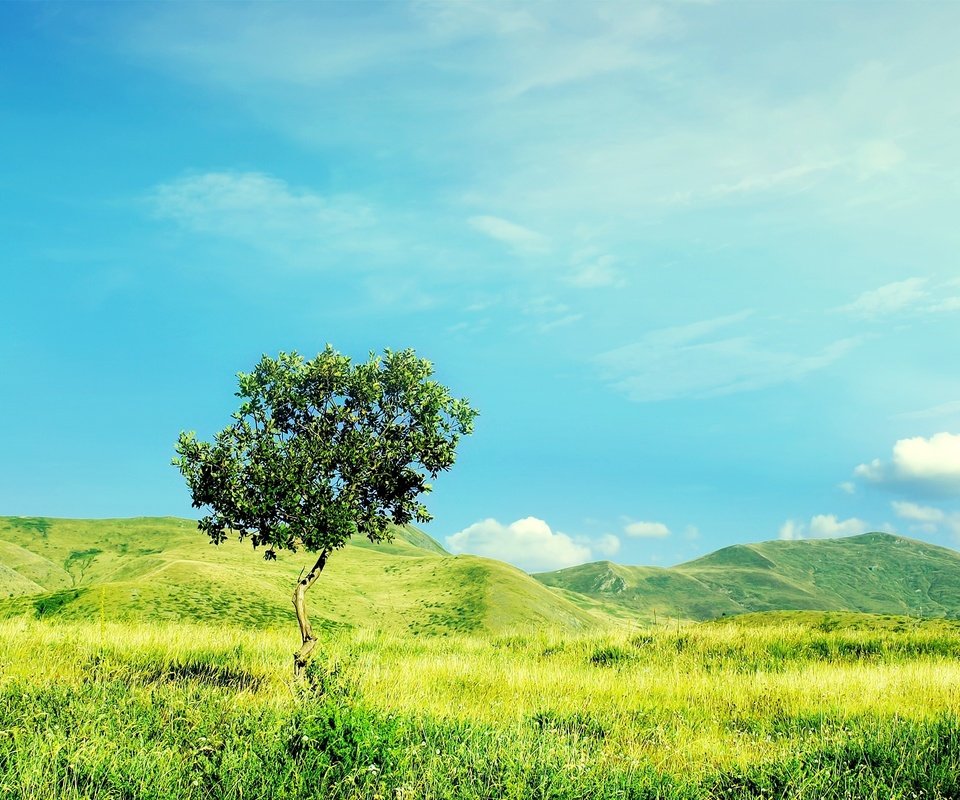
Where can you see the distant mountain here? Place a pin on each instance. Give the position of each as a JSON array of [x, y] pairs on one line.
[[164, 569], [876, 573]]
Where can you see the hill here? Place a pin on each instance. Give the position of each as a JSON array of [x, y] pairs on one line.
[[164, 569], [876, 573]]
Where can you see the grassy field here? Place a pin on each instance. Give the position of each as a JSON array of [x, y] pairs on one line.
[[799, 705]]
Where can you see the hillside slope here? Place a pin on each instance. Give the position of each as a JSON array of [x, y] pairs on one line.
[[876, 573], [164, 569]]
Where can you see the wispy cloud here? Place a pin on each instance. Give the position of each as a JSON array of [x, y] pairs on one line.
[[264, 211], [951, 409], [928, 519], [755, 183], [593, 270], [546, 313], [913, 295], [516, 237], [696, 360], [888, 299]]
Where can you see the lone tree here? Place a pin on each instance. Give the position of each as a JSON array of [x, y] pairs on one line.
[[321, 450]]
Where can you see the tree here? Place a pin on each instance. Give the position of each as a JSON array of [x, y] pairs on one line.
[[321, 450]]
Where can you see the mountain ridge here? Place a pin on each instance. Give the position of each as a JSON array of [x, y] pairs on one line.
[[873, 572]]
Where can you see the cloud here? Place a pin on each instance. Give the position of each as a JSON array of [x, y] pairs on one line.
[[932, 465], [261, 210], [822, 526], [546, 313], [848, 486], [697, 360], [791, 530], [917, 513], [646, 530], [913, 295], [943, 410], [888, 299], [755, 183], [878, 156], [594, 271], [607, 545], [671, 122], [516, 237], [825, 526], [928, 519], [528, 543]]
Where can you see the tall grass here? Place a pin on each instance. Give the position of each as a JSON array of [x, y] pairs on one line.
[[114, 711]]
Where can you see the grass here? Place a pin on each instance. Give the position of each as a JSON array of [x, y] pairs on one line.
[[137, 661], [728, 710]]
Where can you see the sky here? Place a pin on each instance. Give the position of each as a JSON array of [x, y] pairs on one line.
[[695, 263]]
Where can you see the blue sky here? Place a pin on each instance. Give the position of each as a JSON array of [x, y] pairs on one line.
[[695, 263]]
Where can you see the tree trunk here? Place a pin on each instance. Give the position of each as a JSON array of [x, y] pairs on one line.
[[302, 656]]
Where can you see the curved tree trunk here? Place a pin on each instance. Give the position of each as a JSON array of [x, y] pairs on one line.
[[302, 656]]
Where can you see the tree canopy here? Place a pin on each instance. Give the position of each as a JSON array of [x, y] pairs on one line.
[[322, 449]]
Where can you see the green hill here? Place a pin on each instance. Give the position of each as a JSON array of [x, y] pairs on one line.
[[877, 573], [164, 569]]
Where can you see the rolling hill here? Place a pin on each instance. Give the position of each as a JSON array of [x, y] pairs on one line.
[[164, 569], [877, 573]]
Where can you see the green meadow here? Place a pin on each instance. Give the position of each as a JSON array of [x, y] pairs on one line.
[[137, 661], [806, 708]]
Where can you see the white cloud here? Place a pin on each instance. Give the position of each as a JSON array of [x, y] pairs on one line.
[[546, 313], [560, 322], [888, 299], [823, 526], [930, 464], [928, 519], [917, 513], [693, 361], [528, 543], [913, 295], [755, 183], [646, 530], [264, 211], [607, 545], [516, 237], [947, 304], [595, 273], [791, 530], [698, 131], [848, 486]]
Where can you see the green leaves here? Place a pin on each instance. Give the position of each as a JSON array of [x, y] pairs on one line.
[[322, 449]]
